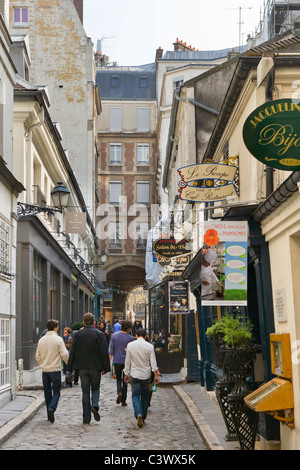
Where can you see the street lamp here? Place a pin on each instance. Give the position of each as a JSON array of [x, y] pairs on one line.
[[60, 197], [103, 257]]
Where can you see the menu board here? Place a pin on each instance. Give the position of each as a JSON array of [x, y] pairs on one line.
[[179, 297]]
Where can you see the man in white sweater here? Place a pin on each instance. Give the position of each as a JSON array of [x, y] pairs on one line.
[[140, 361], [50, 352]]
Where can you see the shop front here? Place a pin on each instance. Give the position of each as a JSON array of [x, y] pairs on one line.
[[168, 312], [49, 285]]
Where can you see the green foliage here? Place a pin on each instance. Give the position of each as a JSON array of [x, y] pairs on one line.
[[231, 331], [76, 326]]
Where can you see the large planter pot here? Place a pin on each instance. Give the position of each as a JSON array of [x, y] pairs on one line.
[[223, 387], [240, 364]]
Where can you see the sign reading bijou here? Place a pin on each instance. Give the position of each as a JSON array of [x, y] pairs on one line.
[[272, 134]]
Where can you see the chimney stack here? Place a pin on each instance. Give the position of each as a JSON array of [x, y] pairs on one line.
[[159, 54]]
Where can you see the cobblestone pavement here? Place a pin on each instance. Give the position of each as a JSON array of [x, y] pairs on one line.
[[168, 425]]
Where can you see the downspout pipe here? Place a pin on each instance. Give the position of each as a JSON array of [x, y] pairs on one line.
[[269, 97], [38, 124], [195, 103]]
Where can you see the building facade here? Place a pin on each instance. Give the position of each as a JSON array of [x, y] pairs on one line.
[[126, 174], [268, 200], [10, 189], [62, 58]]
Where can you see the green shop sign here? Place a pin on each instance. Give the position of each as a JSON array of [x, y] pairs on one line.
[[272, 134]]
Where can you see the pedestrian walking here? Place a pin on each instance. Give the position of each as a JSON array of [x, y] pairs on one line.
[[117, 326], [136, 326], [67, 337], [117, 353], [102, 327], [140, 360], [51, 350], [89, 355]]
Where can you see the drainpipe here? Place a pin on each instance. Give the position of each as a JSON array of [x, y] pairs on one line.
[[269, 97], [29, 153], [195, 103]]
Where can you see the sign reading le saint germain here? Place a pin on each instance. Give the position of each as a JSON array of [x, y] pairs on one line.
[[272, 134]]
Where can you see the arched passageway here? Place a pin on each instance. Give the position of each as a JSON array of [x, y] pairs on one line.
[[122, 280]]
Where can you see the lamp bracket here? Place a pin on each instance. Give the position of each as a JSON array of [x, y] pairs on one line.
[[27, 210]]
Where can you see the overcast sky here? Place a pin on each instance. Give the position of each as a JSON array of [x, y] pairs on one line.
[[134, 29]]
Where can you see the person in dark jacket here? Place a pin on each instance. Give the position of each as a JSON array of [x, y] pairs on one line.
[[89, 355]]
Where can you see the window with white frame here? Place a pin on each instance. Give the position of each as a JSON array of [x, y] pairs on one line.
[[4, 352], [142, 229], [114, 234], [4, 247], [142, 192], [142, 154], [115, 119], [37, 296], [115, 154], [20, 16], [115, 192], [143, 119]]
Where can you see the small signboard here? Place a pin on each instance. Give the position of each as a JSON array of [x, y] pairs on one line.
[[168, 247], [207, 182], [76, 222], [179, 297]]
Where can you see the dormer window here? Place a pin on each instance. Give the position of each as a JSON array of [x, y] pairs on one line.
[[21, 17]]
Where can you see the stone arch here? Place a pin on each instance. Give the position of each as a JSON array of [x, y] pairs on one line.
[[122, 278]]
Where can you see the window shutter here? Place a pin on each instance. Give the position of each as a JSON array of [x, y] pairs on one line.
[[116, 119], [142, 195], [115, 192], [144, 119]]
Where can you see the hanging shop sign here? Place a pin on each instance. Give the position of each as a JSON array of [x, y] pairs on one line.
[[224, 263], [75, 222], [168, 247], [272, 134], [207, 182], [178, 297]]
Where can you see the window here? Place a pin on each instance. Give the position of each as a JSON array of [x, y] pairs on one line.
[[116, 119], [142, 192], [115, 81], [4, 247], [20, 16], [65, 301], [115, 153], [143, 119], [142, 154], [143, 82], [142, 229], [4, 352], [115, 192], [114, 234], [177, 82], [37, 297], [54, 293]]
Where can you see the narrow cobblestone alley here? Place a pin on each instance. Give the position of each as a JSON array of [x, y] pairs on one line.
[[168, 425]]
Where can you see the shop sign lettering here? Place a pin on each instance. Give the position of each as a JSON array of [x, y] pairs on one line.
[[207, 182], [272, 134]]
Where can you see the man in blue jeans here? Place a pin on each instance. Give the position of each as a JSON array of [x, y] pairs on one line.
[[50, 352], [140, 360], [89, 355], [117, 352]]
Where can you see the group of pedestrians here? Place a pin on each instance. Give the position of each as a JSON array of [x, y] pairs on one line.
[[89, 354]]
